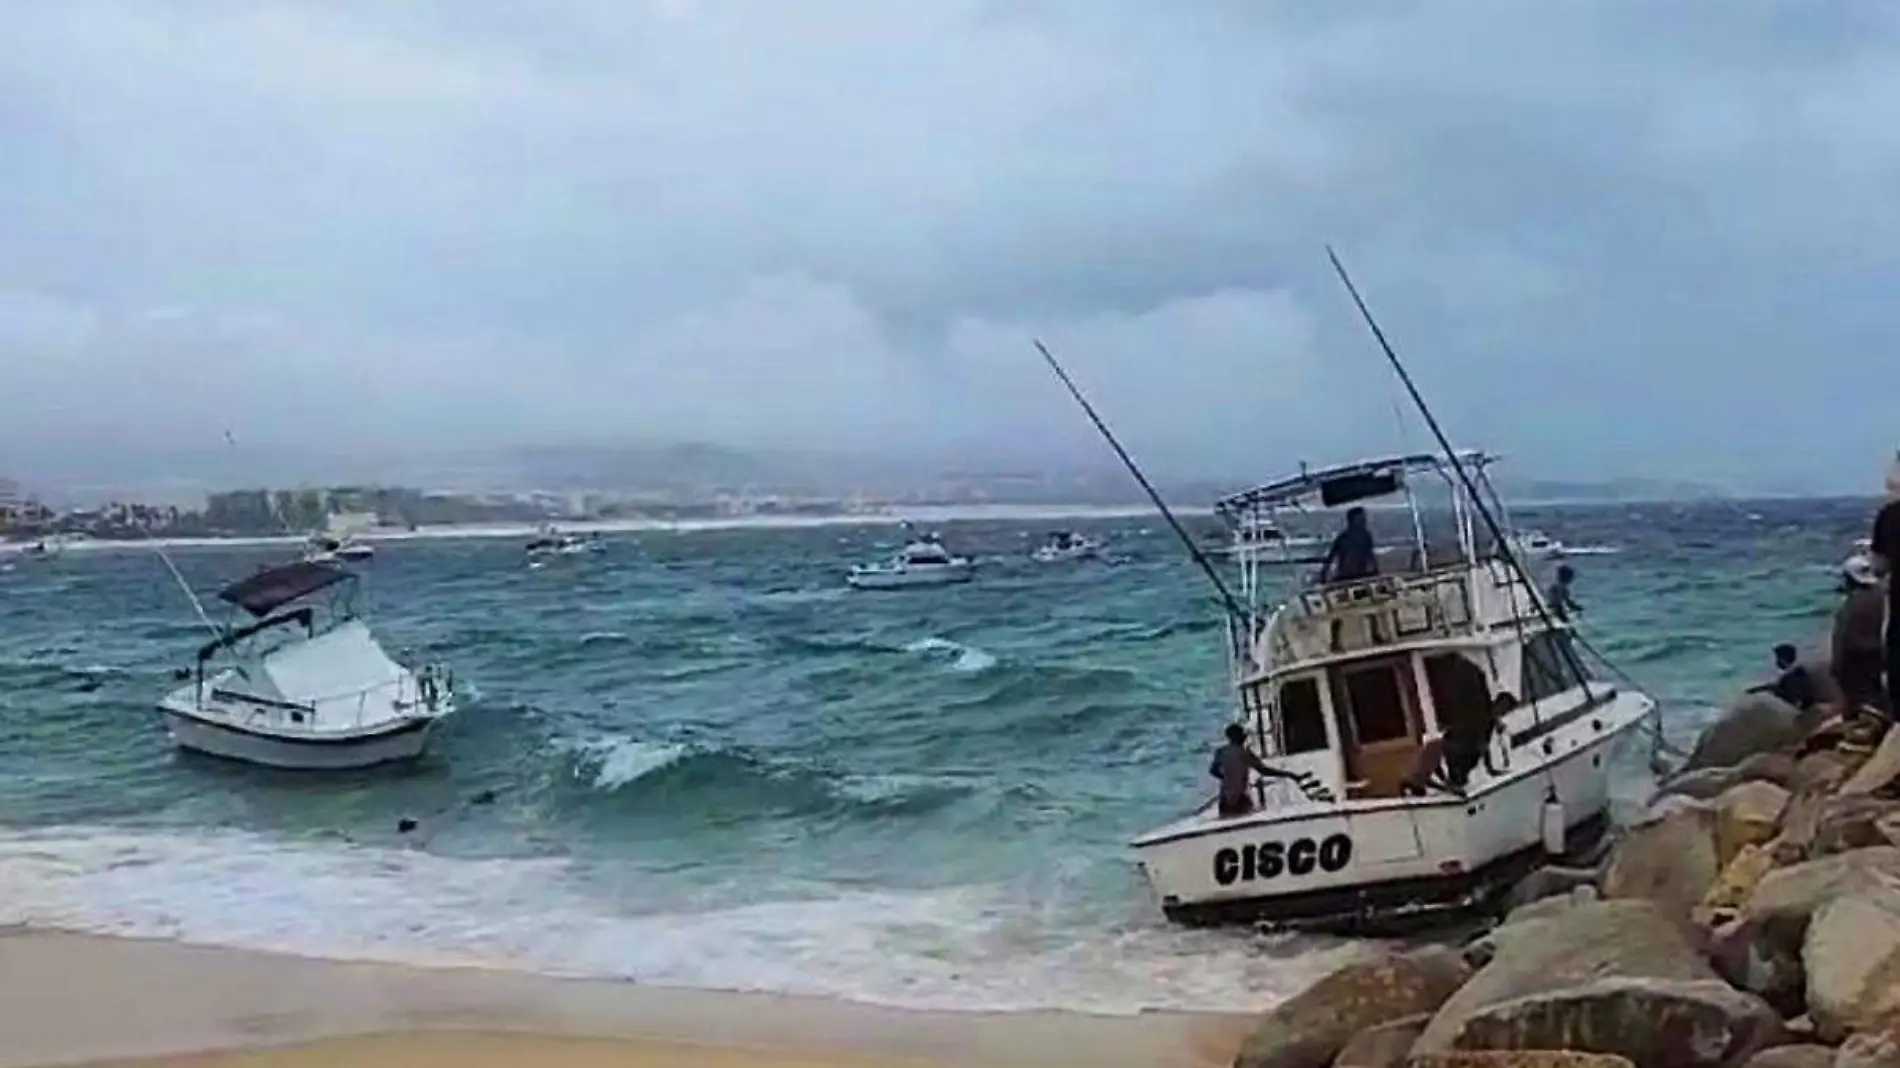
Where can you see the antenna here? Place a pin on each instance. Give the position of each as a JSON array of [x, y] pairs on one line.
[[1505, 548], [1200, 558]]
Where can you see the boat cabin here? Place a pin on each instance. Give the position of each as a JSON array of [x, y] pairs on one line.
[[925, 551], [1369, 677]]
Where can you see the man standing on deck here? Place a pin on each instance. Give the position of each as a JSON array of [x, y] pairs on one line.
[[1886, 553], [1232, 762], [1353, 554], [1562, 601]]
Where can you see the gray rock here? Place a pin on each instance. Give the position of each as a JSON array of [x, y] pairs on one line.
[[1550, 880], [1849, 822], [1803, 1055], [1519, 1058], [1309, 1029], [1852, 958], [1626, 939], [1786, 898], [1869, 1049], [1754, 723], [1761, 966], [1656, 1023], [1747, 814], [1385, 1046], [1671, 861], [1880, 770]]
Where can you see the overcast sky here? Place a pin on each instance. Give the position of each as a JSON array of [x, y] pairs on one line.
[[1612, 237]]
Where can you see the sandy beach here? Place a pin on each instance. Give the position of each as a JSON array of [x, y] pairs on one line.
[[85, 999]]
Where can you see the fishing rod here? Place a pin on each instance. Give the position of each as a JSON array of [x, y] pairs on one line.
[[1200, 558], [1504, 546]]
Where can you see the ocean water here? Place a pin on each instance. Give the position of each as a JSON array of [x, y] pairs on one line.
[[714, 766]]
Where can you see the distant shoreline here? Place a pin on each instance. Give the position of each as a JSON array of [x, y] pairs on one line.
[[922, 516]]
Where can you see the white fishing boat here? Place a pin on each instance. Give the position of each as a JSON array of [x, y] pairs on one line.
[[1537, 545], [1260, 540], [327, 548], [301, 685], [550, 542], [1063, 546], [923, 561], [1443, 733]]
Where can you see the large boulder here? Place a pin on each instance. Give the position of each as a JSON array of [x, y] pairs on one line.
[[1754, 723], [1786, 898], [1800, 1055], [1739, 878], [1852, 958], [1384, 1046], [1880, 770], [1309, 1029], [1622, 939], [1825, 769], [1656, 1023], [1850, 822], [1762, 966], [1746, 814], [1705, 784], [1671, 861], [1519, 1058]]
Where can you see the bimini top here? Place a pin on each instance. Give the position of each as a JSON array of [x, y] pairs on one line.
[[275, 587], [1346, 483]]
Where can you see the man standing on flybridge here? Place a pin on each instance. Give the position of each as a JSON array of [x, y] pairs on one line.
[[1886, 554]]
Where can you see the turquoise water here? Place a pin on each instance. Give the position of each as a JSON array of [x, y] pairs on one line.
[[714, 766]]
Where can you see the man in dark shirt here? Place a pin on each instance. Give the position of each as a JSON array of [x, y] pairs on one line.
[[1793, 685], [1885, 549], [1563, 602], [1353, 554], [1232, 762]]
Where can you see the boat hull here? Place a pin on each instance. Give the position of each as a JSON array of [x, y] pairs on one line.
[[398, 742], [914, 578], [1394, 866]]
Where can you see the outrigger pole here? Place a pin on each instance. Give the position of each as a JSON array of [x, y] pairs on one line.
[[1505, 548], [1200, 558]]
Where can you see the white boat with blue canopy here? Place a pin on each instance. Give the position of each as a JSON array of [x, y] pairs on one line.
[[1439, 732], [303, 685]]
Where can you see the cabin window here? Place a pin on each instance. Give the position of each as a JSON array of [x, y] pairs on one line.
[[1302, 721], [1459, 688], [1375, 701], [1549, 665]]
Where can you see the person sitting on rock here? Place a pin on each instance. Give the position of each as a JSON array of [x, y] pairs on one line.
[[1856, 646], [1794, 684]]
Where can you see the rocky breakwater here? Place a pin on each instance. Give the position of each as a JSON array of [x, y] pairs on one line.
[[1750, 918]]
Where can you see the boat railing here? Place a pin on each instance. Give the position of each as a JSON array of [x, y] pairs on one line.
[[1369, 613]]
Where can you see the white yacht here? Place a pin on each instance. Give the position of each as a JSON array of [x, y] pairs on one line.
[[1441, 730], [923, 561], [1537, 545], [1260, 540], [1065, 545], [328, 548], [550, 542], [303, 686]]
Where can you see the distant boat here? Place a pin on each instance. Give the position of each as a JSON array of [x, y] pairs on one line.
[[1065, 545], [1537, 545], [922, 562], [325, 548], [293, 690], [551, 542]]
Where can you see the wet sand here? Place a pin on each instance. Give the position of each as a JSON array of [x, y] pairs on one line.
[[82, 999]]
